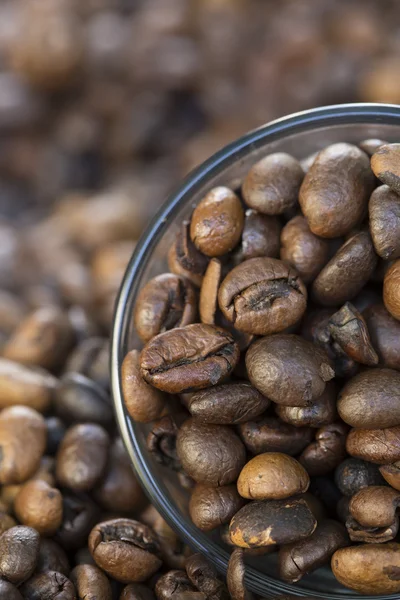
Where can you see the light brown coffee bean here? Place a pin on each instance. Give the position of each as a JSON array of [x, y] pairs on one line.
[[375, 506], [210, 506], [384, 222], [91, 583], [391, 474], [39, 505], [143, 402], [208, 301], [385, 165], [21, 385], [391, 289], [380, 446]]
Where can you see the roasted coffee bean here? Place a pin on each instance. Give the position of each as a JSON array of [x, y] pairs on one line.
[[8, 591], [328, 450], [302, 249], [371, 399], [260, 236], [172, 549], [184, 258], [125, 549], [384, 163], [368, 568], [384, 222], [91, 583], [91, 358], [143, 402], [272, 184], [80, 514], [81, 400], [82, 457], [161, 443], [322, 412], [262, 296], [19, 552], [391, 474], [272, 476], [235, 576], [384, 331], [55, 433], [25, 386], [52, 558], [204, 578], [210, 506], [333, 210], [391, 289], [270, 522], [189, 358], [300, 558], [20, 428], [39, 505], [208, 300], [347, 271], [217, 222], [51, 585], [380, 446], [371, 535], [270, 434], [371, 145], [227, 404], [7, 521], [375, 506], [210, 454], [352, 475], [137, 591], [173, 582], [288, 369], [349, 330]]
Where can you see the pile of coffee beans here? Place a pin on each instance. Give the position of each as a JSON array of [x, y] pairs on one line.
[[277, 330]]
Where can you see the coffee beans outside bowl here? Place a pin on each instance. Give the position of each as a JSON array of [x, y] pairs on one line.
[[273, 347]]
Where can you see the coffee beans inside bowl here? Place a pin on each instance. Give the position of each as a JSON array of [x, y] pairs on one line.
[[277, 331]]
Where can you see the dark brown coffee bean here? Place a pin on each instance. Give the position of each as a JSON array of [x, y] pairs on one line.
[[208, 301], [91, 359], [352, 475], [272, 184], [384, 222], [143, 402], [211, 454], [8, 591], [328, 450], [348, 329], [380, 446], [184, 258], [288, 369], [322, 412], [336, 189], [260, 236], [137, 591], [371, 145], [19, 552], [368, 568], [391, 474], [210, 507], [391, 289], [235, 576], [375, 506], [371, 399], [20, 428], [303, 557], [270, 434], [204, 578], [7, 521], [189, 358], [80, 514], [347, 271], [385, 335], [119, 490], [78, 399], [161, 443], [39, 505], [25, 386], [55, 433], [303, 250], [270, 522], [217, 222], [49, 586], [90, 583], [82, 457], [385, 165], [371, 535], [173, 582], [272, 476], [262, 296], [52, 558], [227, 404], [125, 549]]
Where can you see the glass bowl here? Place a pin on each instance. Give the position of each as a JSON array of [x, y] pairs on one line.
[[299, 134]]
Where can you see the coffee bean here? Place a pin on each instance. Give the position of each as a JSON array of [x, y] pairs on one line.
[[371, 145], [347, 271], [384, 222], [371, 535], [272, 476], [328, 450], [143, 402], [80, 514], [227, 404], [91, 583], [235, 576], [172, 583], [50, 585], [189, 358], [204, 578], [208, 301], [6, 522], [19, 551], [262, 296], [172, 549], [270, 522], [391, 293], [391, 474], [288, 369], [137, 591], [384, 163], [52, 558], [184, 258], [272, 184], [78, 399], [260, 236], [91, 358], [368, 568], [302, 557], [349, 330], [210, 454], [8, 591], [333, 210], [270, 434], [55, 433], [352, 475], [39, 505], [82, 457], [380, 446], [20, 428], [125, 549], [322, 412], [384, 331], [161, 443], [210, 507], [22, 385], [375, 506]]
